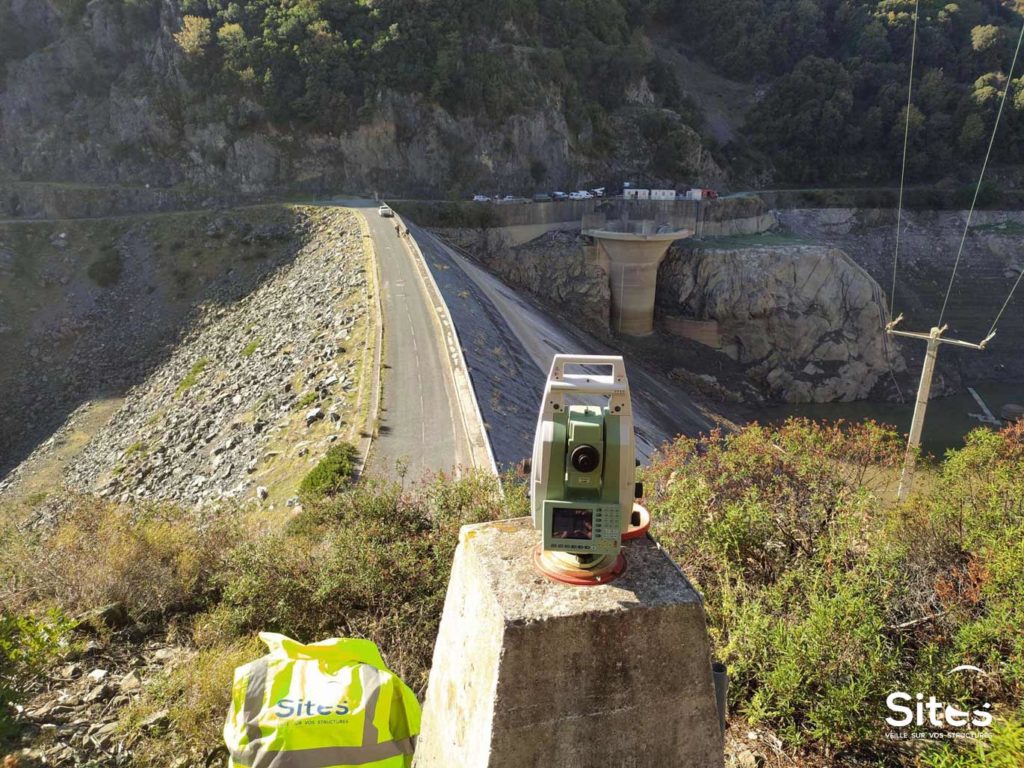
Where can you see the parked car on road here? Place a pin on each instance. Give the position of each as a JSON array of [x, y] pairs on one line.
[[481, 199], [385, 211], [559, 195], [581, 194], [542, 197]]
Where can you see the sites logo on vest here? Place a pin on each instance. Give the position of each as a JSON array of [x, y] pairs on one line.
[[286, 708], [917, 710]]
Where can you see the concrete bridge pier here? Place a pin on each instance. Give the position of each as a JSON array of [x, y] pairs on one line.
[[631, 259]]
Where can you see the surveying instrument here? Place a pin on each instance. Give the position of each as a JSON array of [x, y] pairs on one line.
[[583, 472]]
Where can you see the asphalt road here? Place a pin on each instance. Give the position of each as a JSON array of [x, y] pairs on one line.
[[419, 426]]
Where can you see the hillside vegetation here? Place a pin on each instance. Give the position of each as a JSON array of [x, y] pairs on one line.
[[446, 95], [822, 595], [838, 69]]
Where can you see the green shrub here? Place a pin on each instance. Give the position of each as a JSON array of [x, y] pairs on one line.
[[371, 562], [192, 376], [305, 401], [823, 596], [29, 643], [251, 347], [1002, 747], [150, 559], [195, 692], [106, 270], [332, 473]]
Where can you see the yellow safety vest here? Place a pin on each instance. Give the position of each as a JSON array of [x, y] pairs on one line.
[[331, 704]]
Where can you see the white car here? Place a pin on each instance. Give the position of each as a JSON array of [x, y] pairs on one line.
[[559, 195], [481, 199], [384, 211], [580, 195]]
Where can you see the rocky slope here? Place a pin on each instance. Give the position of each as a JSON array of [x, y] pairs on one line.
[[88, 307], [805, 320], [283, 360], [74, 720]]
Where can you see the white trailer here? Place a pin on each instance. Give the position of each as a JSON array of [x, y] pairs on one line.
[[663, 194]]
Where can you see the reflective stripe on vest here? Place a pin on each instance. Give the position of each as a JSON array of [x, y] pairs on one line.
[[255, 692], [369, 677], [321, 757]]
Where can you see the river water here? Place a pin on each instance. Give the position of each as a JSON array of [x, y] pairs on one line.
[[948, 419]]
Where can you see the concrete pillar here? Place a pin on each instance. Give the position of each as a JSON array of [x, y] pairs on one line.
[[633, 261], [529, 673]]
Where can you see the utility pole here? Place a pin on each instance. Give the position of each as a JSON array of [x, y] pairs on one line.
[[934, 339]]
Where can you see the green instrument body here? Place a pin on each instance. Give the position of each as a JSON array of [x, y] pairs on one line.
[[584, 462]]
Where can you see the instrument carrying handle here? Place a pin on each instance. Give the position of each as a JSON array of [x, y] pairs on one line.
[[615, 362]]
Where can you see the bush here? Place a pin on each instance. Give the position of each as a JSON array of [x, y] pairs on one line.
[[824, 597], [195, 691], [29, 643], [1004, 748], [371, 562], [332, 473], [249, 349], [106, 270], [192, 376]]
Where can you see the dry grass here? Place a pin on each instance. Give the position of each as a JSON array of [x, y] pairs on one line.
[[150, 559]]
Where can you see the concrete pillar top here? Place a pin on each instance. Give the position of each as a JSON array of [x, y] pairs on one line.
[[530, 673], [503, 550]]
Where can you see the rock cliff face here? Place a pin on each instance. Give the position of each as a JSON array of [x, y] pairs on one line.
[[85, 100], [806, 319], [991, 261]]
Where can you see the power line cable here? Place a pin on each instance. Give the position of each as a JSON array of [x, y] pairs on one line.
[[1006, 303], [984, 166], [903, 169]]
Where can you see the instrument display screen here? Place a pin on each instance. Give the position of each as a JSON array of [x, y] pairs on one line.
[[569, 523]]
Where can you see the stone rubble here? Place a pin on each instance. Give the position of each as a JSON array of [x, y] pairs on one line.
[[73, 718], [199, 428]]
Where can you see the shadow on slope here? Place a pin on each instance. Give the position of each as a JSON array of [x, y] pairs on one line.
[[89, 308]]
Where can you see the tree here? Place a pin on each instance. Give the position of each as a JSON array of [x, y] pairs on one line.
[[972, 135], [804, 121], [985, 37], [195, 36]]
